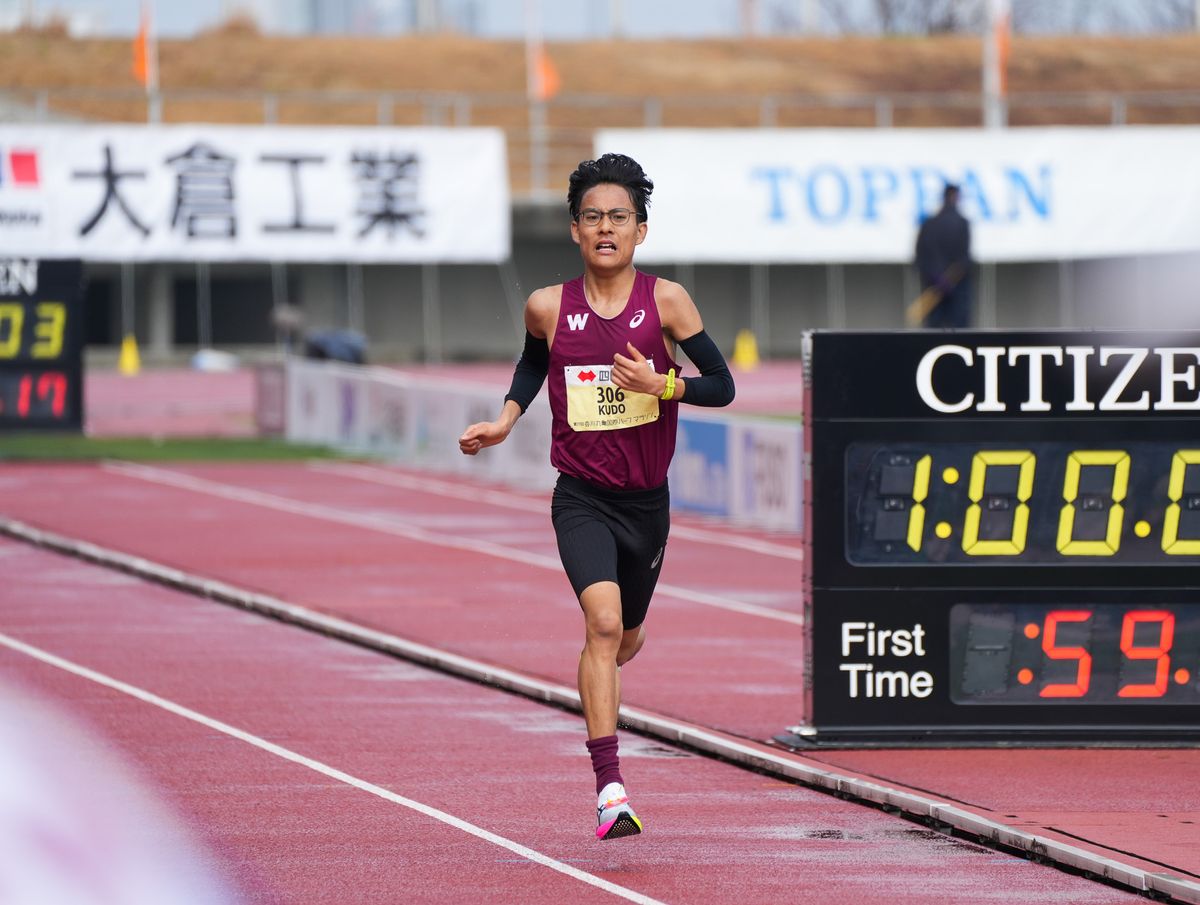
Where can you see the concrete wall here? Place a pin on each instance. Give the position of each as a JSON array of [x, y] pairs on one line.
[[473, 312]]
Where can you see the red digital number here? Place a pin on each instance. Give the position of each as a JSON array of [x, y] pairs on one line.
[[51, 386], [1159, 652], [1083, 676], [23, 391], [54, 386]]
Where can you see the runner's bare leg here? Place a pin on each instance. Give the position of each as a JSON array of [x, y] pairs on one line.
[[598, 685]]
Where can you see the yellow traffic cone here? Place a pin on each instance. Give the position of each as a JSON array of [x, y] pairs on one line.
[[745, 351], [129, 363]]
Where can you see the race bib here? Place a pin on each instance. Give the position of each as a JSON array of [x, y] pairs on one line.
[[595, 403]]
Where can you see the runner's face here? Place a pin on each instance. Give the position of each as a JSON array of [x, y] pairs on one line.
[[604, 246]]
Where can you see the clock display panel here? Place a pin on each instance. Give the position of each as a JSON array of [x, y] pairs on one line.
[[1046, 503], [41, 345], [1074, 654]]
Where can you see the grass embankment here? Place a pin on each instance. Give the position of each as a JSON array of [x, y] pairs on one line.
[[48, 447]]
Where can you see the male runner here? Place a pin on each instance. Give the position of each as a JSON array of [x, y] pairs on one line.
[[607, 341]]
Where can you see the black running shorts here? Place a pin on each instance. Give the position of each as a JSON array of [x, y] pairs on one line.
[[612, 535]]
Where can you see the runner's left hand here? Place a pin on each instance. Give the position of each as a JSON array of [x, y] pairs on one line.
[[634, 373]]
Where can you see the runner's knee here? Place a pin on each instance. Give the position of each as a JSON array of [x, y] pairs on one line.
[[602, 617], [604, 628]]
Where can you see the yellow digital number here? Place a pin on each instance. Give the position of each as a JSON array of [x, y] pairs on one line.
[[1171, 543], [1026, 461], [12, 318], [1066, 544], [48, 331], [916, 516]]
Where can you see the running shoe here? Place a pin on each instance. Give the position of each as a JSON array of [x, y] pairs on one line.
[[614, 814]]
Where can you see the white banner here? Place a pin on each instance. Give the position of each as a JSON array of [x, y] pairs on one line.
[[232, 193], [765, 460], [416, 420], [820, 195], [743, 469]]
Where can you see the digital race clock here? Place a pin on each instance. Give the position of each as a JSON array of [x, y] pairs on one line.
[[1003, 538], [41, 345]]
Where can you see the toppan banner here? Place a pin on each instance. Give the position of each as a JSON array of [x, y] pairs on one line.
[[225, 193], [859, 195]]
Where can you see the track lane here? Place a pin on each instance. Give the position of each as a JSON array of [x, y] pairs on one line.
[[727, 670], [1094, 807], [715, 833], [683, 526], [1114, 798]]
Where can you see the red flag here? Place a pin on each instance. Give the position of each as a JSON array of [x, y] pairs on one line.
[[546, 80], [999, 44], [145, 63], [1003, 47]]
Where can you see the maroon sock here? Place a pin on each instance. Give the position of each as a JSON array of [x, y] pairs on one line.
[[605, 762]]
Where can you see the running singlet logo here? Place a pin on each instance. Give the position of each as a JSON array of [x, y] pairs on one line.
[[595, 403]]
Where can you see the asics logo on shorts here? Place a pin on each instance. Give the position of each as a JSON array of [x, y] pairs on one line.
[[657, 558]]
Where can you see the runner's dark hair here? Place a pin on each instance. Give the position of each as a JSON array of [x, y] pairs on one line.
[[616, 169]]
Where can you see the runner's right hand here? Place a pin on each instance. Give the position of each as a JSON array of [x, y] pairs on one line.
[[481, 435]]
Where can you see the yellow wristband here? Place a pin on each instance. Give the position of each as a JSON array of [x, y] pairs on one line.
[[670, 389]]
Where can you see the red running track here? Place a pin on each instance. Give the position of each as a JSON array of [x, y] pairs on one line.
[[464, 575], [479, 576], [170, 402], [297, 830]]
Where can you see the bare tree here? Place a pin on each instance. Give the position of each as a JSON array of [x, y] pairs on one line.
[[919, 17], [1171, 15], [928, 17], [1102, 16], [949, 16], [782, 18]]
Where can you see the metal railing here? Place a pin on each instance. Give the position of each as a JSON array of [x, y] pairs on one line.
[[546, 140]]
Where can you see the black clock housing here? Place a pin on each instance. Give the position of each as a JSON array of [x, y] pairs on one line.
[[41, 345], [1003, 536]]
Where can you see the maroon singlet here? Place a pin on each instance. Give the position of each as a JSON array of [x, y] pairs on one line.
[[619, 440]]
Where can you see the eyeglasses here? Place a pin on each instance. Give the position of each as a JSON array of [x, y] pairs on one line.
[[618, 216]]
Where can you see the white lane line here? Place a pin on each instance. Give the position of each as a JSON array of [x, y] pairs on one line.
[[390, 526], [514, 501], [333, 773]]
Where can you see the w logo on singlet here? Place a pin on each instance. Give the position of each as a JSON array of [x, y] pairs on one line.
[[577, 321]]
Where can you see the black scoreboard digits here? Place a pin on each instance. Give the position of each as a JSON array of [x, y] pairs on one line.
[[41, 345], [1003, 539]]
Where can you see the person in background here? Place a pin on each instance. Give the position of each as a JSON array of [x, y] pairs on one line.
[[944, 264], [607, 341]]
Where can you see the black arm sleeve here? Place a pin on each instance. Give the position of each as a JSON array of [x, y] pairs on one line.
[[715, 385], [530, 372]]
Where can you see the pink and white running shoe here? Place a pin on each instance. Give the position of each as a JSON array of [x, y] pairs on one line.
[[614, 814]]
